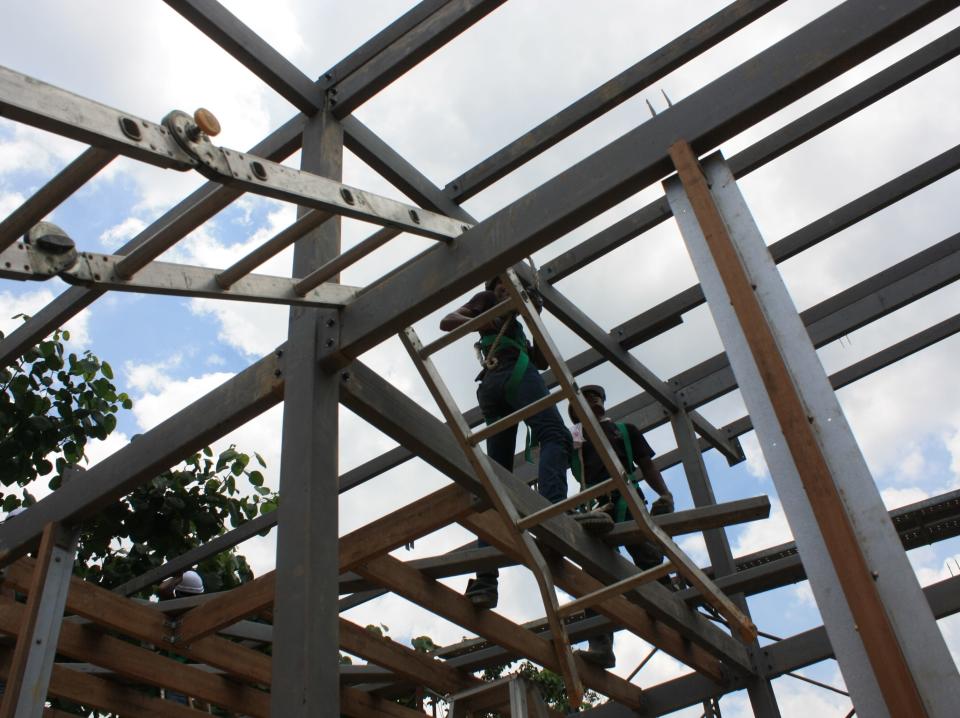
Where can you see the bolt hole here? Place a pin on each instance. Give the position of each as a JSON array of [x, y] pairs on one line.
[[130, 128], [415, 216], [347, 195], [259, 171]]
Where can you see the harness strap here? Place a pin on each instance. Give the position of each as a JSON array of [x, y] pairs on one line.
[[490, 343], [621, 509]]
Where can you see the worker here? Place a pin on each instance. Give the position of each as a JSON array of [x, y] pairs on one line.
[[634, 452], [184, 584], [509, 380], [188, 583]]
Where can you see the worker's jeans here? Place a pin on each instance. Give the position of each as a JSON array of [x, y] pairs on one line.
[[547, 427]]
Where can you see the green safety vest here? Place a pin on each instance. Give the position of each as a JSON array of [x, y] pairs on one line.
[[620, 512]]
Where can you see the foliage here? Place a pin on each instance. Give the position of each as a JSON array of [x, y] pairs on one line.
[[52, 404], [551, 685], [172, 513], [50, 407]]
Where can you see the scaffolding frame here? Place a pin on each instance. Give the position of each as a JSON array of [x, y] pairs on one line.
[[330, 325]]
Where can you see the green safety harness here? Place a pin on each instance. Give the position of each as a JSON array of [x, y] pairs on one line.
[[488, 346], [576, 465]]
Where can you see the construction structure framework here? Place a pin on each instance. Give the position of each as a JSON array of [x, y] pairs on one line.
[[878, 621]]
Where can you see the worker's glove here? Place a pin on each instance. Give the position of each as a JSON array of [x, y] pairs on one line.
[[663, 505]]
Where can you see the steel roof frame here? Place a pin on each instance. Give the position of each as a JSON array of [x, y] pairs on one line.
[[842, 38]]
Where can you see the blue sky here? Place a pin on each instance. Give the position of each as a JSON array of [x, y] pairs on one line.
[[444, 116]]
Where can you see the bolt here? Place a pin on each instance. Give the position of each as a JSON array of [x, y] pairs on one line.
[[347, 195], [331, 322], [414, 216], [875, 574], [279, 352], [329, 343], [39, 641], [464, 228], [56, 559], [345, 376], [277, 372]]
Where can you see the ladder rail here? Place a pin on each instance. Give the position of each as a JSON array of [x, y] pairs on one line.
[[740, 622], [504, 506]]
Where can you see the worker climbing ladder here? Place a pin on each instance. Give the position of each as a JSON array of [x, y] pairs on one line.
[[520, 527]]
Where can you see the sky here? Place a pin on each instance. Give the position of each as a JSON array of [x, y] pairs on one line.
[[525, 61]]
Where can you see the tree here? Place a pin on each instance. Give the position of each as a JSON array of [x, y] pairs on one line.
[[52, 404]]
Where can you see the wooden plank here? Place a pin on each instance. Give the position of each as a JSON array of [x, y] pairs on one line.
[[103, 695], [410, 664], [28, 625], [146, 623], [578, 582], [85, 643], [412, 521], [385, 534], [896, 682], [227, 608], [434, 596], [358, 704], [697, 519]]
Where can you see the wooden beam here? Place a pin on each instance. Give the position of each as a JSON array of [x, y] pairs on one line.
[[25, 630], [410, 522], [148, 624], [413, 665], [434, 596], [418, 519], [578, 582], [893, 674], [358, 704], [85, 643], [103, 695], [697, 519]]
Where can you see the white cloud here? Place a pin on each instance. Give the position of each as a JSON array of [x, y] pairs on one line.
[[30, 302], [119, 234], [759, 535]]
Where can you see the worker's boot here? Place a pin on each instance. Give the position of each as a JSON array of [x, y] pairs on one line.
[[600, 652], [482, 590], [595, 523]]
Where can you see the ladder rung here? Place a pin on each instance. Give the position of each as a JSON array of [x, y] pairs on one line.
[[516, 417], [615, 589], [538, 517], [467, 327]]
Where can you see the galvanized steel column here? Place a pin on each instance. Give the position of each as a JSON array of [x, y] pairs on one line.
[[891, 652], [305, 648]]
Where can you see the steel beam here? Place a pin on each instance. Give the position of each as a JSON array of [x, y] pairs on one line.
[[768, 149], [305, 658], [53, 193], [610, 94], [379, 403], [790, 654], [897, 662], [805, 60], [25, 692], [418, 43], [258, 56]]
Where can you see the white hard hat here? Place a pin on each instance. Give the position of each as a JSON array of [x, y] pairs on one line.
[[190, 583]]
